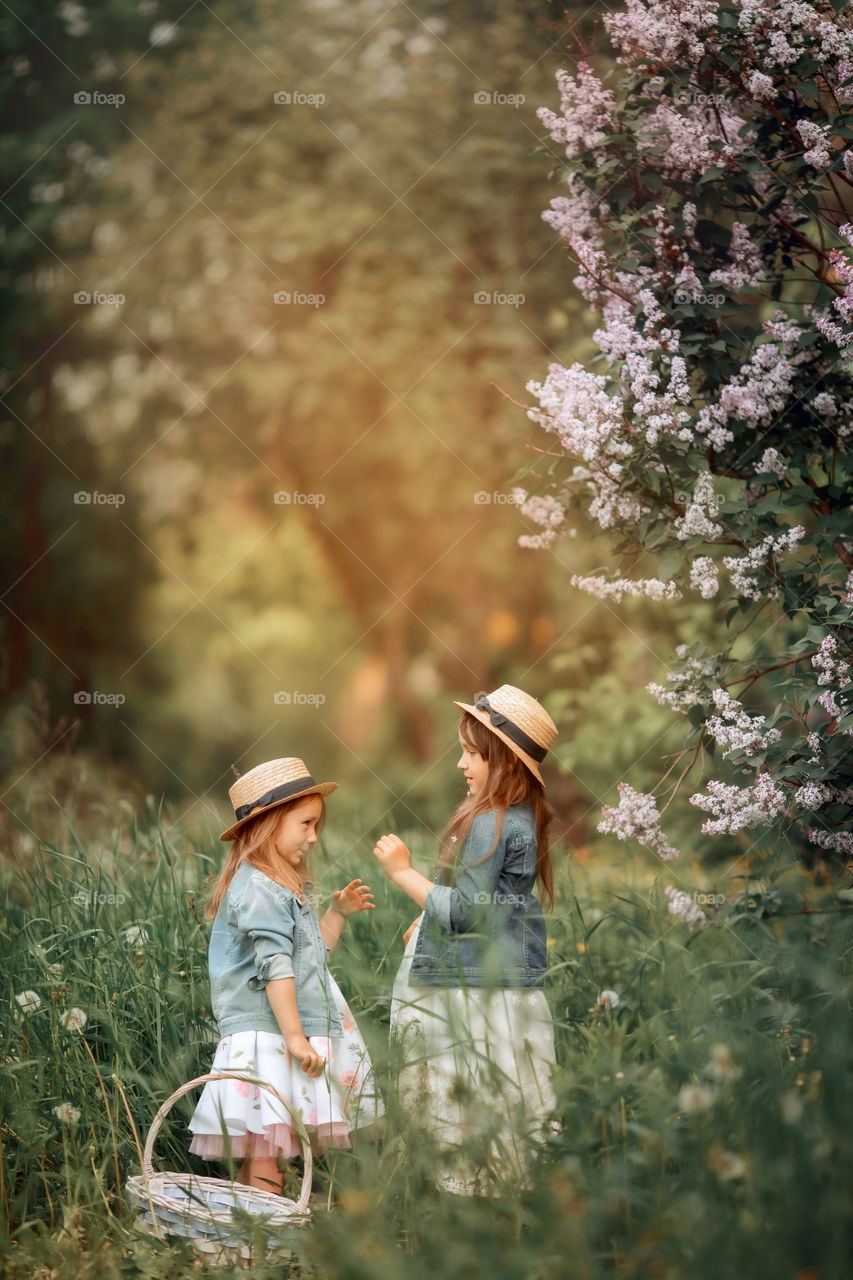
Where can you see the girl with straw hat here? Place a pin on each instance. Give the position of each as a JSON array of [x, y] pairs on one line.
[[280, 1013], [468, 1002]]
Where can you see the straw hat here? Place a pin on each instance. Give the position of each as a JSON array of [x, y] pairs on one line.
[[519, 721], [269, 785]]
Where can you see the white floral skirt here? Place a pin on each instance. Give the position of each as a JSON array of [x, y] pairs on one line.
[[330, 1106], [477, 1070]]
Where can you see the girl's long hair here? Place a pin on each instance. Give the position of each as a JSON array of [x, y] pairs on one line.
[[508, 782], [255, 843]]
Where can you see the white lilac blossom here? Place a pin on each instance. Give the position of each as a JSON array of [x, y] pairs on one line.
[[684, 907], [813, 795], [754, 396], [745, 569], [733, 729], [545, 511], [663, 32], [848, 588], [653, 588], [698, 519], [838, 841], [770, 461], [74, 1019], [587, 109], [761, 87], [832, 670], [687, 681], [66, 1113], [705, 577], [815, 137], [636, 818], [737, 808]]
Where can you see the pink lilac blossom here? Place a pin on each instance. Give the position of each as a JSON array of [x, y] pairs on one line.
[[733, 729], [816, 138], [771, 461], [654, 588], [833, 670], [636, 818], [755, 395], [683, 906], [813, 795], [761, 87], [744, 570], [745, 268], [698, 519], [687, 692], [737, 808], [587, 111], [543, 510], [663, 30]]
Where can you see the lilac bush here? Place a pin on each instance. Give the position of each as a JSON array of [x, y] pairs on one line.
[[708, 206]]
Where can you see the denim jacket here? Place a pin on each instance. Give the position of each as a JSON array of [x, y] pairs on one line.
[[487, 929], [262, 932]]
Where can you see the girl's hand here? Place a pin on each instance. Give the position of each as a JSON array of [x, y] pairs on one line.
[[355, 897], [393, 855], [307, 1057], [410, 931]]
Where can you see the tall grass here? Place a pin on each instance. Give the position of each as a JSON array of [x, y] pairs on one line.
[[705, 1118]]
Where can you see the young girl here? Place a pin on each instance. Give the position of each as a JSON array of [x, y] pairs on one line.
[[468, 999], [280, 1013]]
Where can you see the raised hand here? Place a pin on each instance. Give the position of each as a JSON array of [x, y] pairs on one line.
[[354, 897], [392, 854]]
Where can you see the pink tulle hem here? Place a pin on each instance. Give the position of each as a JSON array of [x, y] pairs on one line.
[[276, 1140]]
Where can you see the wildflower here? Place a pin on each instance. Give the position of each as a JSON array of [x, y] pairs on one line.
[[683, 906], [608, 999], [66, 1113], [726, 1164], [791, 1107], [28, 1000], [693, 1098], [135, 935], [74, 1019], [721, 1065]]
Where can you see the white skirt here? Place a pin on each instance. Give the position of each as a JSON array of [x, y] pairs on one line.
[[477, 1068], [330, 1106]]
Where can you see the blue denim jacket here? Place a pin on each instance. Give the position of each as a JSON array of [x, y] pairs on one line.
[[487, 929], [262, 932]]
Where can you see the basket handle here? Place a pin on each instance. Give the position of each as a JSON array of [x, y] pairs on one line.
[[148, 1167]]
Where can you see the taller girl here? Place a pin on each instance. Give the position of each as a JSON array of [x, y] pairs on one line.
[[468, 998]]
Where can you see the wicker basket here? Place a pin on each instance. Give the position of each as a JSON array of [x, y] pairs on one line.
[[200, 1208]]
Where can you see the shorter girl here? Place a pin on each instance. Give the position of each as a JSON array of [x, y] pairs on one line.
[[280, 1013], [468, 1000]]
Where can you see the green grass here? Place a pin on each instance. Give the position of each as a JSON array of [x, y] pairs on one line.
[[747, 1174]]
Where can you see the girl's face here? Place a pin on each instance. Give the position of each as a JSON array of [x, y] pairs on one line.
[[474, 766], [297, 830]]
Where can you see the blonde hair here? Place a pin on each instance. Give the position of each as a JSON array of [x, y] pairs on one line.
[[508, 782], [255, 844]]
